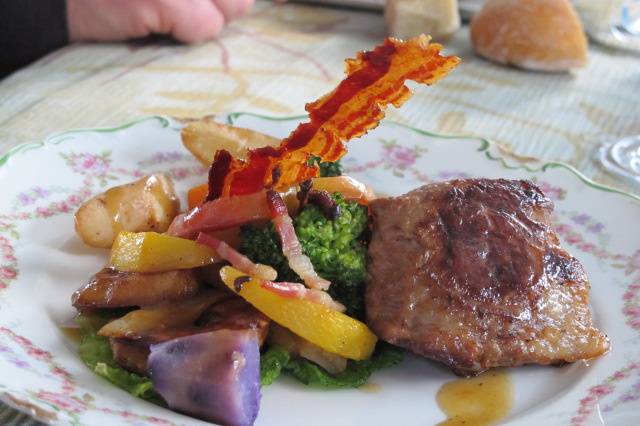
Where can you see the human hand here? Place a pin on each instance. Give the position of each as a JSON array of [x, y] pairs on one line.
[[189, 21]]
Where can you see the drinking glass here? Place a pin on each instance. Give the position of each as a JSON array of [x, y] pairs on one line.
[[615, 23]]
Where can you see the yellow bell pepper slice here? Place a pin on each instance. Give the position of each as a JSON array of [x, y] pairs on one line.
[[154, 252], [333, 331]]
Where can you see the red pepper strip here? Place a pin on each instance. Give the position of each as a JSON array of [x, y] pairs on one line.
[[291, 247], [237, 259], [219, 214], [298, 291]]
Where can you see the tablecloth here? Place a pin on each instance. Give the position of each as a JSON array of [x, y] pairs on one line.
[[282, 56]]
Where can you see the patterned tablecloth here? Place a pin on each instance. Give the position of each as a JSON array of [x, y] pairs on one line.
[[283, 56]]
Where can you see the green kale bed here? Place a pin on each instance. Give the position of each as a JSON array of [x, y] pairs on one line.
[[276, 360], [95, 352]]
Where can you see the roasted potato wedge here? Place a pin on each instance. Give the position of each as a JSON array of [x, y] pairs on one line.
[[113, 289], [142, 322], [204, 137], [148, 204], [131, 354]]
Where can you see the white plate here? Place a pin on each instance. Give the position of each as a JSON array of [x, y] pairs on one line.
[[42, 262]]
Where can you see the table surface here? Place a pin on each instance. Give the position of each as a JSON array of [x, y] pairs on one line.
[[282, 56]]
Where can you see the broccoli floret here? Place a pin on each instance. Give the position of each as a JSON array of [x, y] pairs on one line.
[[327, 168], [261, 245], [336, 249], [330, 169]]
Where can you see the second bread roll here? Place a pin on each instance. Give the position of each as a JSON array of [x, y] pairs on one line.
[[542, 35], [408, 18]]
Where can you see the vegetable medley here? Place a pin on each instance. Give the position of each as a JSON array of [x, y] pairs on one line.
[[309, 336], [264, 273]]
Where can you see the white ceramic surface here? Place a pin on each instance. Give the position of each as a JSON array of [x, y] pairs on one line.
[[42, 262]]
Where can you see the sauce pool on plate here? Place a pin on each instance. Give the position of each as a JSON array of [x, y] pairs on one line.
[[71, 332], [370, 388], [480, 401]]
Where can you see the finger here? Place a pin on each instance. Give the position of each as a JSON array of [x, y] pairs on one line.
[[233, 9], [192, 21]]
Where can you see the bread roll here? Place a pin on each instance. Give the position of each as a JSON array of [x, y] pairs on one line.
[[408, 18], [541, 35]]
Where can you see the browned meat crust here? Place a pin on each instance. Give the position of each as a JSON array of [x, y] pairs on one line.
[[470, 273], [130, 354], [235, 313], [114, 289]]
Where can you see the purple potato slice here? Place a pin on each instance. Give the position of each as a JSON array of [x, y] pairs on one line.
[[214, 376]]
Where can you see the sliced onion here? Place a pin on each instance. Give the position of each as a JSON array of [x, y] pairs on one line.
[[296, 345]]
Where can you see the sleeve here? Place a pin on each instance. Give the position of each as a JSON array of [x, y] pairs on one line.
[[29, 29]]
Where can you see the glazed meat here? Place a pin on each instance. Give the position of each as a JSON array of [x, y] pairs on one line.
[[470, 273], [229, 312], [130, 354], [114, 289], [234, 313]]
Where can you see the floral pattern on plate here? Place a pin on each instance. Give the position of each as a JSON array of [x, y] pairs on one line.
[[42, 262]]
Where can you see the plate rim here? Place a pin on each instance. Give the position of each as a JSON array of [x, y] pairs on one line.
[[231, 117], [486, 144]]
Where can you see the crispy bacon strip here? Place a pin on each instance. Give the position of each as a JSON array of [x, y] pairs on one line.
[[374, 80], [291, 247], [298, 291], [237, 259]]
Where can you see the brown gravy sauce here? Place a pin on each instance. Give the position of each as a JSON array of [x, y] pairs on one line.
[[72, 333], [480, 401], [370, 388]]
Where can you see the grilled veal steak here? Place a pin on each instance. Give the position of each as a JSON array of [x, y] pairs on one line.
[[469, 273]]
